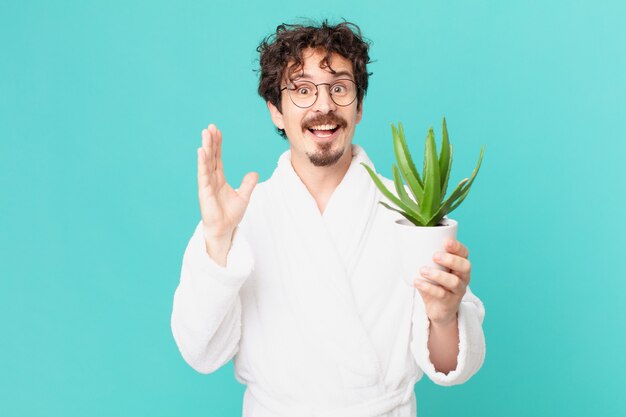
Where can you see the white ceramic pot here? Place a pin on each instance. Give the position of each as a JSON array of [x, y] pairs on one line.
[[417, 245]]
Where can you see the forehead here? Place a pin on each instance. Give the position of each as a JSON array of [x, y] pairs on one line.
[[314, 65]]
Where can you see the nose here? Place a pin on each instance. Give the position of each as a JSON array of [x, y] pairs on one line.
[[324, 103]]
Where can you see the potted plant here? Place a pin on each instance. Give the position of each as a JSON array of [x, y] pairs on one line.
[[425, 225]]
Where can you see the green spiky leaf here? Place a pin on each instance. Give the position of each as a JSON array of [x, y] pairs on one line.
[[445, 159], [397, 181], [444, 209], [388, 193], [471, 180], [432, 181], [418, 221], [405, 163]]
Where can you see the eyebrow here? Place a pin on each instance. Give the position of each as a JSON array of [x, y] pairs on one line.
[[335, 75]]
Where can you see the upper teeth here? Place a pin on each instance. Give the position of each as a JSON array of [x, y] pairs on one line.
[[323, 127]]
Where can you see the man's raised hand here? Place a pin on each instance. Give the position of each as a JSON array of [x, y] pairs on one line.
[[221, 206]]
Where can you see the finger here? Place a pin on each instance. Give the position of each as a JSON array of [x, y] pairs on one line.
[[247, 185], [218, 152], [212, 146], [448, 281], [426, 288], [203, 176], [206, 146], [456, 247], [453, 262]]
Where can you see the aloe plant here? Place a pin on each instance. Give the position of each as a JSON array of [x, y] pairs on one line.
[[428, 204]]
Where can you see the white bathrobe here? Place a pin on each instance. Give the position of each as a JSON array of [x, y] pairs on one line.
[[312, 306]]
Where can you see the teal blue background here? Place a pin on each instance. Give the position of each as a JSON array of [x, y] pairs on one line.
[[101, 108]]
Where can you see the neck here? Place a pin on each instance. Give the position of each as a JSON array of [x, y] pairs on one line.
[[322, 181]]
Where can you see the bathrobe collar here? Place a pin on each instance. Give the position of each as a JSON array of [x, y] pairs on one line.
[[320, 257]]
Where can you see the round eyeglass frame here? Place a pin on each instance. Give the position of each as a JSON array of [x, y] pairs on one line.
[[329, 92]]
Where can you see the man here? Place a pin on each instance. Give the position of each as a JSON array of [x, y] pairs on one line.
[[297, 277]]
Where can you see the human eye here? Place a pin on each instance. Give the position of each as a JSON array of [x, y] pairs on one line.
[[302, 88], [340, 87]]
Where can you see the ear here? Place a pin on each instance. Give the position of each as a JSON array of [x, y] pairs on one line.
[[359, 112], [277, 116]]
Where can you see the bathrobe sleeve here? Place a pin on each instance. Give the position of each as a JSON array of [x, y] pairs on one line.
[[206, 313], [471, 340]]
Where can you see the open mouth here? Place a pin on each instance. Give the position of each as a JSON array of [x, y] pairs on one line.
[[324, 131]]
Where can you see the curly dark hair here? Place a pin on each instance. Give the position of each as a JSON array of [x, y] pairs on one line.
[[278, 49]]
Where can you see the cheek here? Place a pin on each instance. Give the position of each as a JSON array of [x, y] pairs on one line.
[[356, 115], [292, 120], [291, 125]]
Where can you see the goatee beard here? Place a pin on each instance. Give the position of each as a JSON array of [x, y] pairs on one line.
[[325, 156]]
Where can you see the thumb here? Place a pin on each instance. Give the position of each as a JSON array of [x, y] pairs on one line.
[[247, 185]]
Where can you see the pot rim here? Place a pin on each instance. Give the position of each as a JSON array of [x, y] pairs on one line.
[[448, 223]]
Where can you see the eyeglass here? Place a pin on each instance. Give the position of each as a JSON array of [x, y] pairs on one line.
[[304, 93]]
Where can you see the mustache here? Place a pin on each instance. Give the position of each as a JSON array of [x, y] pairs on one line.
[[325, 119]]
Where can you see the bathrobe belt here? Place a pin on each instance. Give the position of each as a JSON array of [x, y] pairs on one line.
[[368, 408]]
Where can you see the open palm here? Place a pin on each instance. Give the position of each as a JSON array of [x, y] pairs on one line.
[[221, 206]]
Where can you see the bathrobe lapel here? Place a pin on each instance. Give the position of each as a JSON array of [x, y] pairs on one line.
[[350, 211], [320, 253]]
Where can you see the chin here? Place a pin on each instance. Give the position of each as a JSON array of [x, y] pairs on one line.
[[326, 158]]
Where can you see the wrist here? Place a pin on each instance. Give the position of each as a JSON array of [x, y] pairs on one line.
[[445, 322], [220, 235], [217, 247]]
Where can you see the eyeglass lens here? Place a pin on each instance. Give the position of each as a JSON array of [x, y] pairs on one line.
[[304, 93]]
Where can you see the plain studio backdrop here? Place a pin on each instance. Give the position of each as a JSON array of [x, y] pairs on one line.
[[101, 109]]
